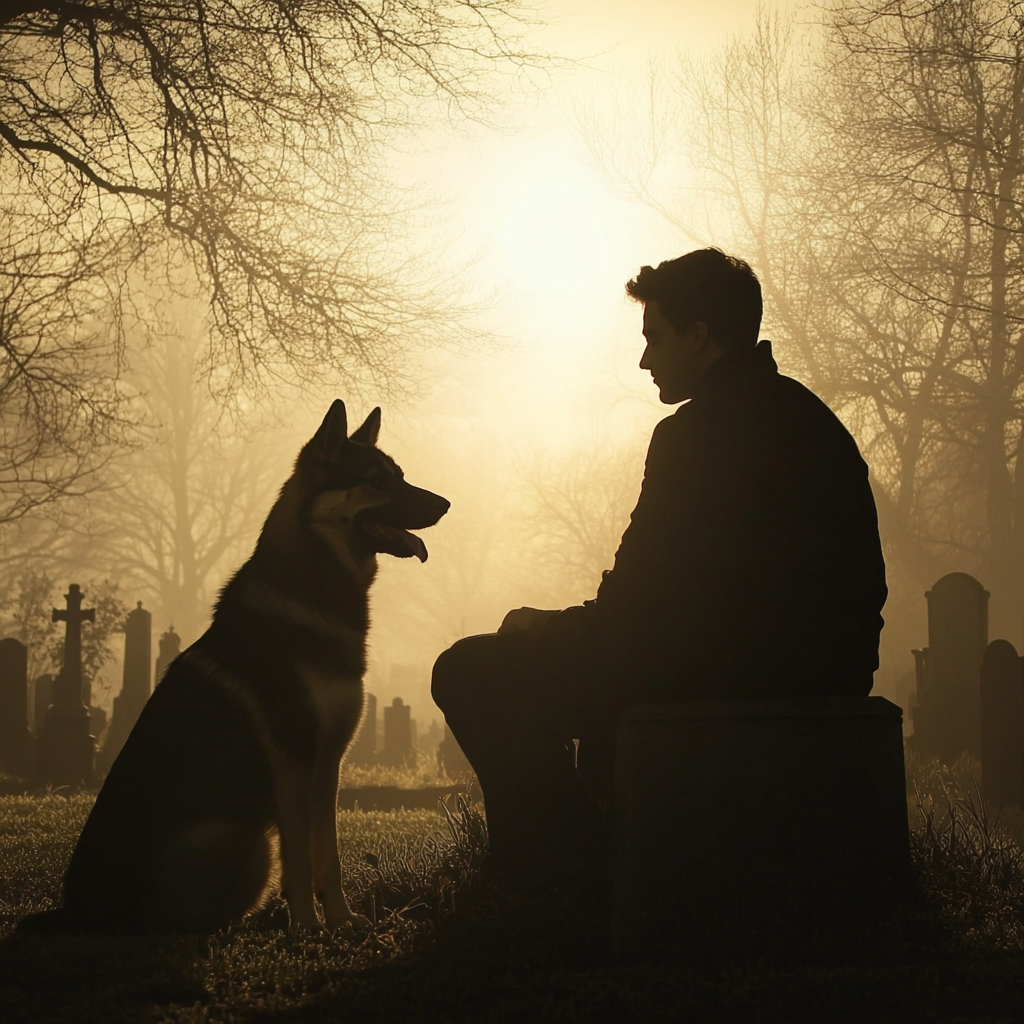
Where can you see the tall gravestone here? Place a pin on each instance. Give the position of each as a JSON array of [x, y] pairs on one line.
[[66, 749], [947, 718], [1002, 725], [136, 682], [15, 738], [398, 750], [170, 648], [361, 750]]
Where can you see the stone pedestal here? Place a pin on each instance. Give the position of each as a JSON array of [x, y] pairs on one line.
[[740, 827], [65, 750]]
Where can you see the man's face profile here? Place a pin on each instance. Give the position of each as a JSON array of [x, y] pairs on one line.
[[676, 361]]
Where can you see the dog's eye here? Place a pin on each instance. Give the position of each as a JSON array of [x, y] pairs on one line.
[[379, 480]]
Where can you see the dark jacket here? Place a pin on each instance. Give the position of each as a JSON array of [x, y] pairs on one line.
[[752, 565]]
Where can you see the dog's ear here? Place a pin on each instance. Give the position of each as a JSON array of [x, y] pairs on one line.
[[367, 434], [333, 433]]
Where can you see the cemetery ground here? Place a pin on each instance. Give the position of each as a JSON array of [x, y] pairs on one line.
[[447, 946]]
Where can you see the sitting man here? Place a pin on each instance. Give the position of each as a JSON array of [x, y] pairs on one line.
[[751, 569]]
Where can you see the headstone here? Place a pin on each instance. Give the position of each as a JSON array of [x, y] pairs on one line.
[[41, 701], [170, 648], [947, 718], [450, 757], [1002, 725], [136, 683], [746, 827], [364, 743], [66, 749], [398, 750], [15, 738]]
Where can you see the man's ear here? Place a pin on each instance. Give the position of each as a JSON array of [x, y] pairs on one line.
[[702, 335], [370, 430], [330, 438]]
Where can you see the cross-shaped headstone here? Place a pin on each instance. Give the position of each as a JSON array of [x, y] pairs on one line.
[[67, 688]]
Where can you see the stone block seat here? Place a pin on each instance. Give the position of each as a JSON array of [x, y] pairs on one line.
[[742, 826]]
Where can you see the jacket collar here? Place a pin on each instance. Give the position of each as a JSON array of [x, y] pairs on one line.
[[736, 365]]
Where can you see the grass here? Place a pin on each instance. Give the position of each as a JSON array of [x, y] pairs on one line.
[[445, 946]]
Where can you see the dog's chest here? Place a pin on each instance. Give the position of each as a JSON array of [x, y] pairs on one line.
[[337, 701]]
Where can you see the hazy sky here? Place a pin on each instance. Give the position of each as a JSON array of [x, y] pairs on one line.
[[552, 245], [550, 242]]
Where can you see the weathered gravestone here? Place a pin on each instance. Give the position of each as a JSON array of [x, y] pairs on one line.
[[170, 648], [745, 827], [15, 738], [66, 750], [947, 718], [364, 743], [398, 750], [136, 683], [1002, 725]]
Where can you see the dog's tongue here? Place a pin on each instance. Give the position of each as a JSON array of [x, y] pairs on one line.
[[409, 540]]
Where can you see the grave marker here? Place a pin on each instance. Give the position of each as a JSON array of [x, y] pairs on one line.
[[947, 719], [136, 682], [170, 648], [1002, 725], [66, 750], [398, 751]]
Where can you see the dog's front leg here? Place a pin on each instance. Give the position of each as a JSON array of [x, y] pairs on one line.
[[293, 787], [326, 857]]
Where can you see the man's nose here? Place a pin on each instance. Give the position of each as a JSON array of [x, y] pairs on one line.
[[643, 359]]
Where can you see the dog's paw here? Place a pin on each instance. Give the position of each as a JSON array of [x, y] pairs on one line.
[[304, 923], [348, 919]]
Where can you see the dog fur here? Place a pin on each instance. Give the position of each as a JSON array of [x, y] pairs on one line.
[[245, 734]]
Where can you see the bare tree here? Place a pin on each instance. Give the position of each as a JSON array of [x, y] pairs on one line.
[[235, 152], [183, 509], [60, 410]]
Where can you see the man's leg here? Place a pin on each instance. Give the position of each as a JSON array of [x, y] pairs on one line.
[[514, 703]]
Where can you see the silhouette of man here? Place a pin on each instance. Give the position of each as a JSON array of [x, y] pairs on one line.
[[751, 568]]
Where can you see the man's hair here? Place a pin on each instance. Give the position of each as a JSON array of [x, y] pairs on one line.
[[705, 286]]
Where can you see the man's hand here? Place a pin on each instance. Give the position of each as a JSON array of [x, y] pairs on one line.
[[522, 620]]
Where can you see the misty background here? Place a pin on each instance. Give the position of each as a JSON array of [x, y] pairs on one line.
[[457, 255]]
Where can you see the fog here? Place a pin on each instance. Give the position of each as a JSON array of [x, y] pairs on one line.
[[523, 403]]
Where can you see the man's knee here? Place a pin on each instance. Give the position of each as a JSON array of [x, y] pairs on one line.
[[457, 671]]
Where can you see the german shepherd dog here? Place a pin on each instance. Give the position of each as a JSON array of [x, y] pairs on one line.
[[246, 732]]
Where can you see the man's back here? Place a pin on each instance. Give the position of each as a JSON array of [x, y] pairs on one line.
[[752, 565]]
